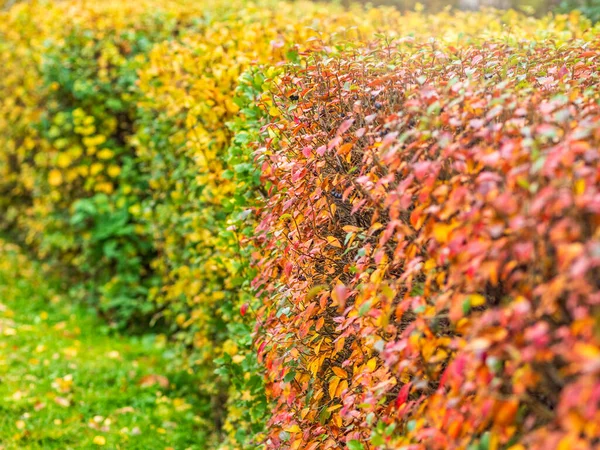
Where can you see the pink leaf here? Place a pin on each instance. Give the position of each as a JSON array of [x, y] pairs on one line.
[[346, 124]]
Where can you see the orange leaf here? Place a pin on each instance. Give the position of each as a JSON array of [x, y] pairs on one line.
[[333, 385], [339, 345], [334, 242], [345, 149], [151, 380], [342, 387], [337, 420], [339, 372]]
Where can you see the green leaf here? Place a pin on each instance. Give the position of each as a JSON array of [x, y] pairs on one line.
[[289, 376], [355, 445]]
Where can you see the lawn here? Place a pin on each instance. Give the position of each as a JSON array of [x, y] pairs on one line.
[[67, 381]]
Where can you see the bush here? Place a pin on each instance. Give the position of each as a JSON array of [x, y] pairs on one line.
[[202, 182], [590, 8], [69, 169], [428, 251]]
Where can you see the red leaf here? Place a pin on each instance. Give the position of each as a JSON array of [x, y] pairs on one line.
[[403, 395]]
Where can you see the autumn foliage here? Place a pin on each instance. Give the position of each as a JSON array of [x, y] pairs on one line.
[[358, 228], [429, 251]]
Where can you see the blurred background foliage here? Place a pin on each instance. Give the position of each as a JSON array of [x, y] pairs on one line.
[[590, 8]]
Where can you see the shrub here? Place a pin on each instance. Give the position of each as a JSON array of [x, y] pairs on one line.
[[590, 8], [70, 174], [202, 181], [428, 251], [200, 194]]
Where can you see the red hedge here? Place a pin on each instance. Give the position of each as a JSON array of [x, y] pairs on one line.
[[429, 254]]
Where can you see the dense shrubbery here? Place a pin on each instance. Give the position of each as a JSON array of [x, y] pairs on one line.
[[69, 166], [429, 255], [415, 197]]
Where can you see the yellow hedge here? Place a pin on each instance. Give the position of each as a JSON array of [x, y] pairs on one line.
[[65, 128]]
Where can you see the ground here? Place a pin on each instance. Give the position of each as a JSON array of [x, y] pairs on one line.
[[68, 381]]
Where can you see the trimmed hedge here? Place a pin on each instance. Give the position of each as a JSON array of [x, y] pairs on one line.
[[429, 253], [68, 169], [202, 181]]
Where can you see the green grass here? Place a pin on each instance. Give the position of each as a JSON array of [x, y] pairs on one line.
[[67, 381]]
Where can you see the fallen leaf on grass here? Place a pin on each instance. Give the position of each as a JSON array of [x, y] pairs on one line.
[[151, 380], [125, 410], [61, 401], [114, 355]]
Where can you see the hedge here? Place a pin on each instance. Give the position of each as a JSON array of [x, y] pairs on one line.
[[428, 253], [68, 171], [163, 156]]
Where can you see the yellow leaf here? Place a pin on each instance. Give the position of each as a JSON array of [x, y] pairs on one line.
[[105, 153], [476, 300], [334, 242], [429, 264], [587, 351], [55, 178], [333, 385], [372, 364], [318, 347], [493, 445], [99, 440], [114, 171], [273, 111], [342, 387], [96, 168], [292, 429], [441, 232], [339, 345], [337, 420], [63, 160], [566, 443], [314, 366], [304, 412]]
